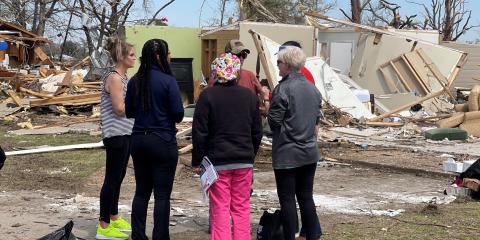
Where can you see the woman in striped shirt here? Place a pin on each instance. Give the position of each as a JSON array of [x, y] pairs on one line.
[[116, 131]]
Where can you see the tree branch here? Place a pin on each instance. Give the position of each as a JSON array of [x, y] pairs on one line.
[[159, 10], [346, 15]]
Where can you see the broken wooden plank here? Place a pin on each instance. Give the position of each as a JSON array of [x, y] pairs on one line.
[[184, 132], [65, 99], [35, 94], [67, 80], [41, 54], [185, 149], [385, 124], [14, 97], [401, 108]]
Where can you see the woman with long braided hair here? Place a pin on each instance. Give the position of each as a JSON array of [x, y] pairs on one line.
[[153, 100]]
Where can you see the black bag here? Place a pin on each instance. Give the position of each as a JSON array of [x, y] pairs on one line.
[[270, 226], [2, 158], [473, 171], [64, 233]]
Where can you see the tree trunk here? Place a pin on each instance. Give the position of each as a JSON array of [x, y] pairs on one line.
[[42, 19], [35, 17], [356, 11], [449, 21], [243, 9], [222, 13]]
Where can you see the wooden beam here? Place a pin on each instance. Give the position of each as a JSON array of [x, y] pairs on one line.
[[35, 94], [402, 79], [14, 97], [363, 27], [417, 70], [185, 149], [263, 58], [65, 99], [41, 54], [442, 80], [419, 81], [389, 80], [401, 108], [385, 124]]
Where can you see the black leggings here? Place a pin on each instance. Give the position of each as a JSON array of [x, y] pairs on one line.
[[155, 162], [118, 153], [297, 182]]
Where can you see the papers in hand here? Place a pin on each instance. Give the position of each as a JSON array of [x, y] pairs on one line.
[[208, 175]]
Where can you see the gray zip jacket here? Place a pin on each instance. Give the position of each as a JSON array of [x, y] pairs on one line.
[[293, 115]]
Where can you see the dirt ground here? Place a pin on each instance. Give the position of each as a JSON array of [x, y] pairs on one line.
[[368, 194]]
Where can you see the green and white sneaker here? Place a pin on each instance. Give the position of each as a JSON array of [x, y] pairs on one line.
[[110, 233], [121, 224]]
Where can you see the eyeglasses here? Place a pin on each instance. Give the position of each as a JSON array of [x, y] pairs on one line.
[[243, 55]]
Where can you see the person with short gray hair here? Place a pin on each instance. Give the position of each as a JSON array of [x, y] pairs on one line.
[[294, 57], [293, 115]]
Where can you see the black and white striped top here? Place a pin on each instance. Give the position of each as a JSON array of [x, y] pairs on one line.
[[112, 124]]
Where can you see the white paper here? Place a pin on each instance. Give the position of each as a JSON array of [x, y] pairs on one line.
[[208, 176]]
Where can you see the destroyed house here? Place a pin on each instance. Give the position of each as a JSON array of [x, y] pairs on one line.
[[22, 46]]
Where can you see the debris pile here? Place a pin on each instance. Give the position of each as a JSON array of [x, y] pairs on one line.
[[31, 81]]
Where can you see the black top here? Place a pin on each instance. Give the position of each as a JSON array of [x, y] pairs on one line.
[[166, 106], [226, 125]]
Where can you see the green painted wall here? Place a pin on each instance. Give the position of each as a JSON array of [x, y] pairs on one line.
[[183, 43]]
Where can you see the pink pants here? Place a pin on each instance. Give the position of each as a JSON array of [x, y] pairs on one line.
[[230, 197]]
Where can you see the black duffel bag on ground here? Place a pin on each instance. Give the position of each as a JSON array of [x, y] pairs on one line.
[[472, 172], [2, 157]]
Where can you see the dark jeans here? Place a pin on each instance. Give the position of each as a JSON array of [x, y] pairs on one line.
[[297, 182], [155, 162], [118, 153]]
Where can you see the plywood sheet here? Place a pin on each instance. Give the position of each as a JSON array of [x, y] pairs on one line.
[[279, 33], [371, 56], [334, 90]]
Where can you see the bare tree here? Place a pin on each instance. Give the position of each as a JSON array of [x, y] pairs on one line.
[[33, 15], [356, 9], [105, 18], [159, 10], [284, 11], [388, 14], [449, 17]]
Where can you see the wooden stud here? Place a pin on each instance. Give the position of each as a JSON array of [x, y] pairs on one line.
[[402, 79], [419, 81], [442, 80], [389, 80]]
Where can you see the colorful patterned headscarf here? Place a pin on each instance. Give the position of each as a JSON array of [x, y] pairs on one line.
[[226, 68]]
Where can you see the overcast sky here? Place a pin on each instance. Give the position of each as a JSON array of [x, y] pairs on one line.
[[186, 13]]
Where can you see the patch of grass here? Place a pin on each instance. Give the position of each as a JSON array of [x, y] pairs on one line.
[[463, 220], [66, 171], [12, 142]]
